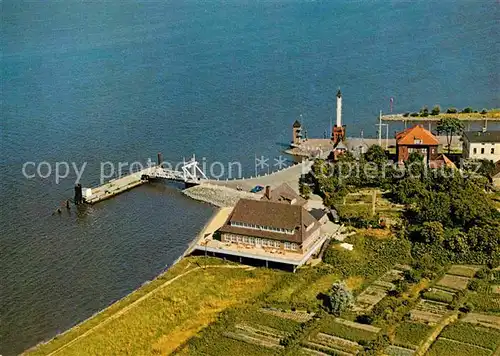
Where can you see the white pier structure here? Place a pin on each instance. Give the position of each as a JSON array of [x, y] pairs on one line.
[[190, 173]]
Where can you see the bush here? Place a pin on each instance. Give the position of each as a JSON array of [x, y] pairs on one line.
[[467, 110], [414, 114], [436, 110], [483, 273], [406, 114], [451, 111], [413, 276], [484, 112], [364, 319], [473, 285]]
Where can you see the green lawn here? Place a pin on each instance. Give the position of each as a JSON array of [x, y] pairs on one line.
[[168, 316]]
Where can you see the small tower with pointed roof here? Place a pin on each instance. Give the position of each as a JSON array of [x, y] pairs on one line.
[[296, 133]]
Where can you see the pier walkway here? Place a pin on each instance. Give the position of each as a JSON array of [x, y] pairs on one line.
[[190, 174]]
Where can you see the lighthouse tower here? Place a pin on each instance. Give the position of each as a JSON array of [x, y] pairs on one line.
[[338, 131]]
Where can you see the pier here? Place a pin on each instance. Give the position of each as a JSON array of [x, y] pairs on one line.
[[190, 174]]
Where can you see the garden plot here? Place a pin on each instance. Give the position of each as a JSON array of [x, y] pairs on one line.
[[253, 338], [453, 282], [391, 276], [348, 330], [428, 311], [446, 347], [313, 348], [491, 321], [439, 295], [476, 335], [298, 316], [377, 291], [335, 343], [306, 351], [411, 335], [369, 297], [463, 270], [257, 335], [398, 351]]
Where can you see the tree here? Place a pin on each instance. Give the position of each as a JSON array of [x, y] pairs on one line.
[[304, 190], [467, 110], [376, 154], [435, 110], [339, 298], [450, 126], [451, 111], [424, 112], [432, 232]]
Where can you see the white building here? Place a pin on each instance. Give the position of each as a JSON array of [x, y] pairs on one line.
[[481, 145]]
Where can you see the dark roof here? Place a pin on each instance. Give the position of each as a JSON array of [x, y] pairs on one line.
[[284, 194], [479, 136], [297, 124], [277, 215]]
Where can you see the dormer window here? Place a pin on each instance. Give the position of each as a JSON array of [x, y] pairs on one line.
[[417, 141]]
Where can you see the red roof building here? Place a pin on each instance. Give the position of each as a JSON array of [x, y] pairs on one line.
[[416, 139]]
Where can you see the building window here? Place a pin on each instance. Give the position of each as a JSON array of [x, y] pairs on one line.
[[288, 246], [482, 150], [492, 150], [294, 247], [474, 150]]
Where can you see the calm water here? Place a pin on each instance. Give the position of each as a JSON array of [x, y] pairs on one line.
[[120, 80]]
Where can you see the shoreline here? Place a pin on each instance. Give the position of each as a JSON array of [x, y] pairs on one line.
[[228, 187], [185, 254]]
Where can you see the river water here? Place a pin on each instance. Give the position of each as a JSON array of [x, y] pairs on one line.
[[119, 81]]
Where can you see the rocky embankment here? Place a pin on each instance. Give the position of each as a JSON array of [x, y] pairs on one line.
[[218, 195]]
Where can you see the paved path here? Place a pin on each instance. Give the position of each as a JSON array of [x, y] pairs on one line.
[[288, 175], [133, 304]]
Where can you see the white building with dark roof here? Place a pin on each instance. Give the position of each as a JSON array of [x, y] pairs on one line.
[[481, 145]]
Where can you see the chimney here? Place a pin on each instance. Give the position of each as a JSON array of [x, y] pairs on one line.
[[267, 194]]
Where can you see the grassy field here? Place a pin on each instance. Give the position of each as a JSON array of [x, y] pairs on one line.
[[156, 319]]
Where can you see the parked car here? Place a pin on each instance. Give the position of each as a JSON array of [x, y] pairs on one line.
[[256, 189]]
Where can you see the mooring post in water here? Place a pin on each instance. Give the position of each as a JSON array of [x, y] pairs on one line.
[[78, 194], [160, 160]]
